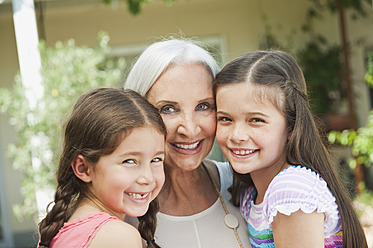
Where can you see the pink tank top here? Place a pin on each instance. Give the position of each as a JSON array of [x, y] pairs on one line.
[[80, 232]]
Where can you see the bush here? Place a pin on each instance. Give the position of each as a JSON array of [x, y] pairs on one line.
[[361, 140], [67, 72]]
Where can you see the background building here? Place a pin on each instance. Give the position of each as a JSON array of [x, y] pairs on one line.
[[230, 27]]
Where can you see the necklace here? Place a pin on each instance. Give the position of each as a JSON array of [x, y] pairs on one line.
[[230, 220]]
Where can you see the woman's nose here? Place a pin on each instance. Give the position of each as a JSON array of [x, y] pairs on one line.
[[188, 126]]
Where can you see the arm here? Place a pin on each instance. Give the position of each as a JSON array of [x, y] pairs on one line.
[[299, 230], [117, 234]]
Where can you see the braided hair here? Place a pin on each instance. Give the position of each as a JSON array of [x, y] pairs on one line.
[[99, 121]]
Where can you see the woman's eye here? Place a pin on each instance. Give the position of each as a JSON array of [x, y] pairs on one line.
[[203, 106], [167, 109]]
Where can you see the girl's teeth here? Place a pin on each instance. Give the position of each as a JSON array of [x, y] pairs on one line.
[[192, 146], [138, 196], [243, 152]]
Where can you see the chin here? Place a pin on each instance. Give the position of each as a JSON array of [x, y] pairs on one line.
[[138, 212], [191, 164]]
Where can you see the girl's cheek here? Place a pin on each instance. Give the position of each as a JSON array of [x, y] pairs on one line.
[[221, 135]]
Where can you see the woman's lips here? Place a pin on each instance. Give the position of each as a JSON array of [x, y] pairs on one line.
[[188, 148]]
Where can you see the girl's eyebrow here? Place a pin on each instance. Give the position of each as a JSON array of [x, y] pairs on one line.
[[257, 113], [137, 153], [160, 153], [250, 113], [221, 112]]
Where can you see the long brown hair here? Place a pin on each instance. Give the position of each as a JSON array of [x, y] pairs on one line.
[[278, 70], [99, 121]]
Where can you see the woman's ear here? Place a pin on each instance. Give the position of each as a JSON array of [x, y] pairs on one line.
[[81, 168]]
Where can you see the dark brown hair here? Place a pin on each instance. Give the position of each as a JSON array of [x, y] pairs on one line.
[[279, 72], [99, 121]]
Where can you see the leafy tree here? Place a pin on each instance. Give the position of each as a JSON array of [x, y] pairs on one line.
[[327, 74], [67, 72]]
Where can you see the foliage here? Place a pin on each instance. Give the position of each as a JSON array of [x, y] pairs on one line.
[[357, 6], [322, 62], [67, 72], [323, 70], [361, 140], [134, 6], [268, 40], [369, 73]]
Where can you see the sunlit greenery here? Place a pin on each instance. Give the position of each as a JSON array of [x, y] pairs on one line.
[[360, 140], [67, 71]]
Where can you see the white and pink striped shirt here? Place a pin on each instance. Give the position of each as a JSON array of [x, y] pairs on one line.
[[295, 188]]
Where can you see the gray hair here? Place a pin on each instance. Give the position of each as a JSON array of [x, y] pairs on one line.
[[161, 55]]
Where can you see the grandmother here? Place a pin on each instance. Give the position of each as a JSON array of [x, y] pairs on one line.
[[195, 210]]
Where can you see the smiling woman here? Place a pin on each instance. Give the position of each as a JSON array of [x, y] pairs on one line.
[[176, 75], [188, 112]]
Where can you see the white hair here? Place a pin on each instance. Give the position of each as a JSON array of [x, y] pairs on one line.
[[161, 55]]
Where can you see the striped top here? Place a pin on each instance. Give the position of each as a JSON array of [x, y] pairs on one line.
[[295, 188]]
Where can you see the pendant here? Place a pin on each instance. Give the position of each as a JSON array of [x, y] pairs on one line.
[[231, 221]]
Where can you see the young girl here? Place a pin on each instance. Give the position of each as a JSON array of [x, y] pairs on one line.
[[111, 166], [293, 196]]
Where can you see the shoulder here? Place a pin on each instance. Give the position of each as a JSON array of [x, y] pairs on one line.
[[297, 188], [296, 181], [221, 171], [296, 177], [116, 233], [223, 168]]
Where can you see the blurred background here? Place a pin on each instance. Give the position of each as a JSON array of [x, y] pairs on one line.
[[91, 43]]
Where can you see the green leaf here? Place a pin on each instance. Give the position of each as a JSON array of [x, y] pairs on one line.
[[67, 72]]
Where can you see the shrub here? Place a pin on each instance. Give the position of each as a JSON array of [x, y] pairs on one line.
[[67, 72]]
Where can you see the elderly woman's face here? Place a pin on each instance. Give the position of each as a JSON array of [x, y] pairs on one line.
[[183, 95]]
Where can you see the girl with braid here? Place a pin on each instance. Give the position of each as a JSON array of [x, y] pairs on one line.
[[292, 195], [111, 166]]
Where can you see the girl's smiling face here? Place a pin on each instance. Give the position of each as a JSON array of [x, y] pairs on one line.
[[251, 131], [127, 180]]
